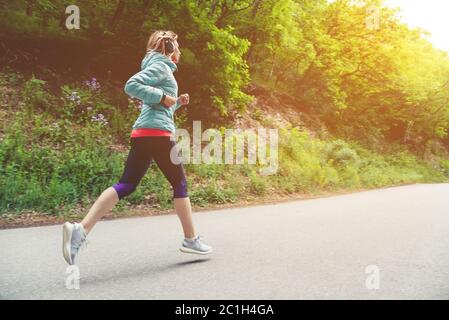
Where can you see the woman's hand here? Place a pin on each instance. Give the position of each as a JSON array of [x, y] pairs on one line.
[[184, 99], [169, 101]]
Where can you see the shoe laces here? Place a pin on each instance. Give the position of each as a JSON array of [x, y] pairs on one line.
[[83, 244]]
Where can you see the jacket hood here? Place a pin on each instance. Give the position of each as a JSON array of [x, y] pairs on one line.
[[157, 56]]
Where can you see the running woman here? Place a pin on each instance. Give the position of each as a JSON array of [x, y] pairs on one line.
[[151, 139]]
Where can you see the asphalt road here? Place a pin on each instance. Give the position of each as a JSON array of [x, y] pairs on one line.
[[312, 249]]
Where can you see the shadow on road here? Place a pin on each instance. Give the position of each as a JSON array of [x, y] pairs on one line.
[[133, 271]]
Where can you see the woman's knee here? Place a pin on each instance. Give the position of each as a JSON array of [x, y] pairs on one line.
[[124, 189], [180, 189]]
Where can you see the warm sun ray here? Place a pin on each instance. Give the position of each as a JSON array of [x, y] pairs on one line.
[[430, 15]]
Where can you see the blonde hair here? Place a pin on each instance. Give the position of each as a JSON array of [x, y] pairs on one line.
[[156, 42]]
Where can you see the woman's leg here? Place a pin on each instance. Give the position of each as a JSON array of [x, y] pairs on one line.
[[184, 211], [107, 200], [137, 163], [176, 176]]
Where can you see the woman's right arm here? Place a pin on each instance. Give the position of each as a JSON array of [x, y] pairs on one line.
[[141, 85]]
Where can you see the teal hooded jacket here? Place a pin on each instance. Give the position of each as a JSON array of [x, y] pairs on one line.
[[154, 79]]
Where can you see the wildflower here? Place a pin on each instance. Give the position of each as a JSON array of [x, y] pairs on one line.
[[55, 126], [74, 97], [100, 118], [93, 84]]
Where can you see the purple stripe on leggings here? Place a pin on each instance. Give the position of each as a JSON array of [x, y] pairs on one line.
[[124, 189]]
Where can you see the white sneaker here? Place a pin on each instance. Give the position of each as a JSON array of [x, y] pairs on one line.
[[73, 237], [195, 246]]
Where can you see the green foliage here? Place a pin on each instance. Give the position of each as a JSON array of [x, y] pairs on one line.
[[444, 165], [367, 84], [225, 63], [53, 163], [35, 96], [381, 93], [258, 184], [308, 164], [340, 153], [370, 84], [118, 28]]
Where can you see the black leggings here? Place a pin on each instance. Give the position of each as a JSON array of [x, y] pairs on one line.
[[143, 151]]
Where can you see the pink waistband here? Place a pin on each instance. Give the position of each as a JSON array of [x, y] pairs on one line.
[[145, 132]]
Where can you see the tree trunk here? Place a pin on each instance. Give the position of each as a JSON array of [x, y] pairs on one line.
[[272, 67], [252, 37], [213, 7], [44, 21], [29, 8], [62, 18], [145, 7], [117, 15]]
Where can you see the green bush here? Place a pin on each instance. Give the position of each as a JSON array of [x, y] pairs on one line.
[[35, 96], [340, 153], [53, 160], [444, 165]]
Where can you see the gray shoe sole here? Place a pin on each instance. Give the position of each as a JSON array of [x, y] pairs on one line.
[[67, 230], [188, 250]]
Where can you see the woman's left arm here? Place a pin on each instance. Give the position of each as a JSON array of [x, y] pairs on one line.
[[142, 84]]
